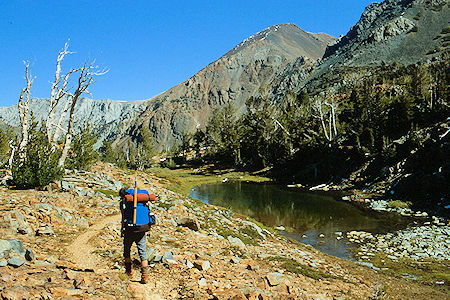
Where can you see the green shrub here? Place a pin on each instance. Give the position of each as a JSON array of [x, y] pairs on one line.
[[40, 166], [295, 267], [82, 154], [445, 30]]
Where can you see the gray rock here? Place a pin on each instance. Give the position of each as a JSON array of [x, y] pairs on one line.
[[157, 258], [16, 261], [151, 253], [167, 255], [235, 260], [202, 282], [18, 222], [189, 264], [202, 265], [5, 248], [17, 247], [3, 263], [189, 222], [29, 255], [66, 186], [236, 242], [44, 231], [255, 227], [274, 278]]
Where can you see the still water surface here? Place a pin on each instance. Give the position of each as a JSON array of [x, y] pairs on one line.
[[305, 215]]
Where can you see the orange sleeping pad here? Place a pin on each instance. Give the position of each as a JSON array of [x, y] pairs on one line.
[[141, 197]]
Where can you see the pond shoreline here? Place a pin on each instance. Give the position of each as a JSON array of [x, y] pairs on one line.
[[362, 200], [322, 237]]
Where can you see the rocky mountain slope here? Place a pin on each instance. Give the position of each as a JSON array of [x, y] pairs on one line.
[[107, 118], [403, 31], [66, 243], [234, 77], [394, 31]]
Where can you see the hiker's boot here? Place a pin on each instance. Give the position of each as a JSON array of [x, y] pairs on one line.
[[128, 269], [145, 276]]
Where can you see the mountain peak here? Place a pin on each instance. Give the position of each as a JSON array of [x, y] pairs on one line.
[[281, 34]]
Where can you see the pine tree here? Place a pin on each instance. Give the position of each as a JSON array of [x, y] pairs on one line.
[[82, 153], [40, 165]]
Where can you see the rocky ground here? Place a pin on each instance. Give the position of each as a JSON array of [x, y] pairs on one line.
[[65, 243]]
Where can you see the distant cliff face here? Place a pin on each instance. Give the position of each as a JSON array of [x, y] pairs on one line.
[[403, 31], [234, 77], [107, 118], [393, 31]]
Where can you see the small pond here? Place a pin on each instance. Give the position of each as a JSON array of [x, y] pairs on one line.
[[306, 216]]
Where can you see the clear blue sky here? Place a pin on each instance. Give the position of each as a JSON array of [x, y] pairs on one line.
[[149, 46]]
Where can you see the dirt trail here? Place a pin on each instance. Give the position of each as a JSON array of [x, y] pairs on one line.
[[80, 250]]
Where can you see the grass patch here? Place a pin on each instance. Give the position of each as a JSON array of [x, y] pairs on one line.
[[124, 277], [247, 235], [262, 226], [108, 193], [164, 205], [398, 204], [182, 180], [427, 272], [295, 267]]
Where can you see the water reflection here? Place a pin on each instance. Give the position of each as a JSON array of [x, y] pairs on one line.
[[308, 215]]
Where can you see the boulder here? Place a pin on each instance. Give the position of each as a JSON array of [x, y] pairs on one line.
[[16, 261], [202, 265], [17, 247], [18, 223], [236, 242], [274, 278], [167, 256], [189, 222], [5, 248], [29, 255]]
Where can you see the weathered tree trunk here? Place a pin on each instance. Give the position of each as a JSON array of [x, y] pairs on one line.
[[58, 126], [318, 107], [24, 106], [69, 133], [58, 92], [13, 151]]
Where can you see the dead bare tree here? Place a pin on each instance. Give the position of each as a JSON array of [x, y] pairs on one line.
[[58, 93], [24, 106], [326, 111], [332, 104], [317, 106], [85, 79]]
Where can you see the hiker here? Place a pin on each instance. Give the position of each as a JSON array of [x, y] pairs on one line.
[[136, 222]]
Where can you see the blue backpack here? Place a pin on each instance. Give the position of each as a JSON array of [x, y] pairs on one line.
[[144, 218]]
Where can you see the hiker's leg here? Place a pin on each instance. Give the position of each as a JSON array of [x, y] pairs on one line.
[[127, 242], [141, 243]]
